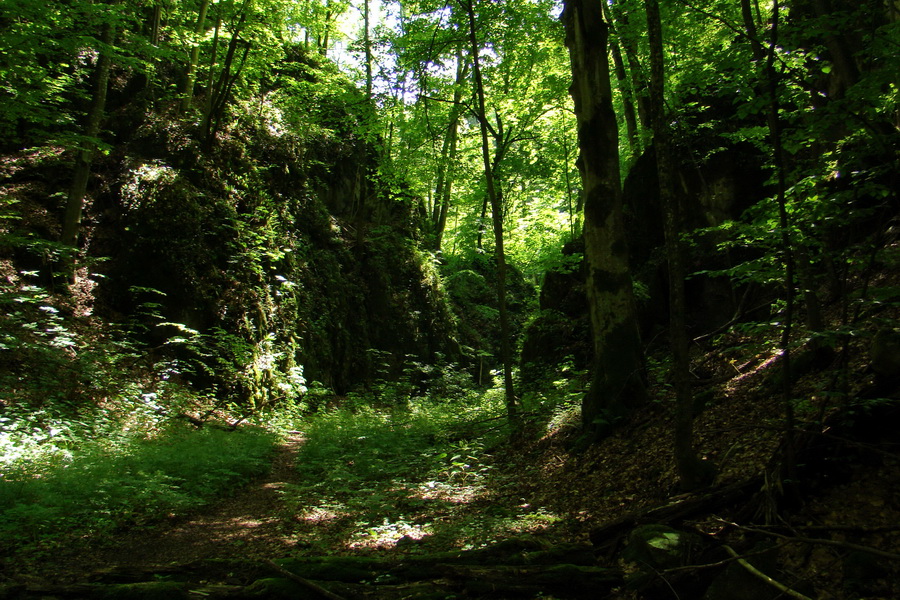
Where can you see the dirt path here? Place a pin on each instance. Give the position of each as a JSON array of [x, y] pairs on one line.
[[251, 524]]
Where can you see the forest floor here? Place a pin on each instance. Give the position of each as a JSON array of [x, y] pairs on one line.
[[248, 524], [536, 486]]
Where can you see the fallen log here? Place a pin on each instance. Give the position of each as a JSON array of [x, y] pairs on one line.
[[568, 581], [518, 567], [479, 573], [306, 583], [116, 591], [513, 552]]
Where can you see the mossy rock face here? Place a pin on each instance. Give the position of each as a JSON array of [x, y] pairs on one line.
[[509, 547], [549, 339], [308, 257], [660, 547], [574, 578], [574, 554], [152, 590], [277, 588]]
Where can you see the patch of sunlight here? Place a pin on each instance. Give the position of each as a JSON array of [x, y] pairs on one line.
[[768, 363], [537, 520], [152, 172], [387, 535], [248, 523], [318, 514], [533, 521], [270, 116], [448, 492], [566, 416], [485, 530], [236, 528]]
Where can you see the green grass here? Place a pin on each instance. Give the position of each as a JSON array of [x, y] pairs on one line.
[[374, 475], [382, 469], [98, 485], [348, 445]]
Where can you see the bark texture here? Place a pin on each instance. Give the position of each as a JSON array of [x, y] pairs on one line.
[[618, 381]]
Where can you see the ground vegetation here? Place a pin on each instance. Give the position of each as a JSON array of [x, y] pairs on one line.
[[523, 299]]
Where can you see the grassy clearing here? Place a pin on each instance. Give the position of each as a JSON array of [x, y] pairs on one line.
[[417, 476], [375, 472], [57, 486]]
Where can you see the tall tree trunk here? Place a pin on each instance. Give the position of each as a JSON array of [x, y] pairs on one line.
[[219, 107], [210, 77], [771, 76], [497, 217], [219, 92], [188, 91], [765, 57], [631, 128], [693, 472], [75, 201], [155, 22], [324, 39], [482, 217], [845, 72], [815, 321], [367, 44], [448, 156], [629, 45], [573, 217], [624, 85], [446, 192], [618, 374]]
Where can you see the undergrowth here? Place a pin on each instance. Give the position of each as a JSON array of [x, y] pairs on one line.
[[374, 477], [363, 442], [88, 442], [432, 435], [88, 487]]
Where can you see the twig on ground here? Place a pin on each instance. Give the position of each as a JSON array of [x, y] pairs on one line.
[[819, 541], [776, 584], [723, 562]]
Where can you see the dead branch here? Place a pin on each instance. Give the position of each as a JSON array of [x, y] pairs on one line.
[[723, 562], [780, 586], [817, 541]]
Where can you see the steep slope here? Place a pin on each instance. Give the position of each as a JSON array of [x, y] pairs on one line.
[[272, 256]]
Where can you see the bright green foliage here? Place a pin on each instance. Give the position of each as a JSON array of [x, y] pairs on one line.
[[526, 76], [364, 443], [61, 367], [35, 91], [838, 141], [257, 221]]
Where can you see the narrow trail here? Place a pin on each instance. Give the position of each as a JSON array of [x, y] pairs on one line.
[[252, 523]]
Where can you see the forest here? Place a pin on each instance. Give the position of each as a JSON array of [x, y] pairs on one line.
[[382, 299]]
